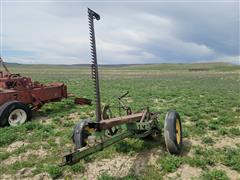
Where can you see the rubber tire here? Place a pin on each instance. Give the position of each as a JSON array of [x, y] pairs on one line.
[[7, 108], [79, 134], [170, 133]]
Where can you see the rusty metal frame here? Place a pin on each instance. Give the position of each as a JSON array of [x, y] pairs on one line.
[[14, 87], [109, 123]]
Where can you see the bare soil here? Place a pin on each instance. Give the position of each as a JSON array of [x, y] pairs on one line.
[[232, 174], [120, 165], [227, 142], [14, 146], [185, 172], [24, 156]]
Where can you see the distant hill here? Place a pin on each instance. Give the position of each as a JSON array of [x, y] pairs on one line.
[[125, 65], [12, 64]]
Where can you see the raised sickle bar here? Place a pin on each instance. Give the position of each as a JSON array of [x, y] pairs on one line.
[[91, 16], [85, 151]]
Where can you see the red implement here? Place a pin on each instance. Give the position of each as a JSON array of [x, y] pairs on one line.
[[35, 94], [20, 95]]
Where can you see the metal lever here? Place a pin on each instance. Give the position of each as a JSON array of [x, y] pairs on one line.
[[4, 66], [125, 94]]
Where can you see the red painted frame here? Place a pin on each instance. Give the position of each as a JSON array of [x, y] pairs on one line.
[[34, 94]]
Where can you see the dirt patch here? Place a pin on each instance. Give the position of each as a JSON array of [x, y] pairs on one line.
[[24, 156], [117, 166], [121, 165], [39, 118], [45, 120], [159, 101], [188, 122], [196, 142], [227, 142], [6, 177], [187, 148], [58, 140], [42, 176], [188, 144], [184, 172], [73, 116], [12, 147], [232, 174], [25, 172], [236, 109], [3, 149], [142, 159]]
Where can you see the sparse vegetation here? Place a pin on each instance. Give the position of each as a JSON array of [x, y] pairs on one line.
[[170, 163], [105, 176], [215, 175], [232, 158], [208, 102], [78, 168], [207, 140]]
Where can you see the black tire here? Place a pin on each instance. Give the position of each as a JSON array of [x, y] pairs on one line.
[[8, 108], [80, 134], [172, 136]]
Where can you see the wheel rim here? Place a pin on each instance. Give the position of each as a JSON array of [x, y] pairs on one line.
[[178, 131], [86, 133], [107, 114], [17, 116]]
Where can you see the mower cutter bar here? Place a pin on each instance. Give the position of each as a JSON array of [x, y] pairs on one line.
[[74, 157]]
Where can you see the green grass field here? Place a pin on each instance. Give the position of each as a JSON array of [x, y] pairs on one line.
[[207, 100]]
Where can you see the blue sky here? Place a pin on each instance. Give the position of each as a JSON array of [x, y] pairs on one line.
[[129, 32]]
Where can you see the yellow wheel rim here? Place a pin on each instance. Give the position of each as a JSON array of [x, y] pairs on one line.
[[89, 131], [178, 131]]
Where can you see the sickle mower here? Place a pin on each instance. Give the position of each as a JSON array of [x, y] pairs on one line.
[[91, 136]]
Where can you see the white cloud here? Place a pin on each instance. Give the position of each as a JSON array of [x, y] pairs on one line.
[[127, 33]]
